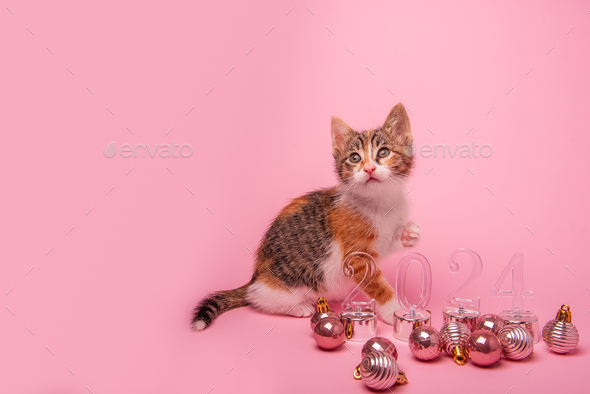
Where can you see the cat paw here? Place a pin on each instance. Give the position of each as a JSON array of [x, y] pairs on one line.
[[300, 311], [411, 235], [387, 310]]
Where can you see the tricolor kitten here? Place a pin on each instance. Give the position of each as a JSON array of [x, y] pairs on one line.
[[300, 257]]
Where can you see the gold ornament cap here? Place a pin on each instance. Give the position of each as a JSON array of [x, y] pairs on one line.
[[322, 305], [458, 353], [564, 314], [400, 380]]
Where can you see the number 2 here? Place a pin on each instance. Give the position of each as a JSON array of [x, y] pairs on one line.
[[476, 267]]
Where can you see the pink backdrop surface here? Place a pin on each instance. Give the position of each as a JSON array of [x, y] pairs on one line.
[[103, 259]]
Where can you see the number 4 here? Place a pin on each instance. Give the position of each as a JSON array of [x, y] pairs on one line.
[[514, 271]]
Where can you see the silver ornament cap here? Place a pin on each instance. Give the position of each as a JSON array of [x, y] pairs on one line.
[[404, 323], [517, 342], [461, 315], [560, 334]]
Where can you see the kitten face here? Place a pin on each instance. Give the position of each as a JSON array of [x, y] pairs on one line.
[[373, 159]]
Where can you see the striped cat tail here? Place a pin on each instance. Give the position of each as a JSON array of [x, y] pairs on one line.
[[217, 303]]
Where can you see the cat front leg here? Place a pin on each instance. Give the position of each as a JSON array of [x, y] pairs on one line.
[[384, 296], [378, 289], [410, 236], [387, 310]]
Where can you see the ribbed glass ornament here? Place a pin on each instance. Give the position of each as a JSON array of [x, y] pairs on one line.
[[561, 337], [454, 336], [379, 370], [560, 334], [517, 342]]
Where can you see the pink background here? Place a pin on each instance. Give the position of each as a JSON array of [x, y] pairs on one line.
[[111, 301]]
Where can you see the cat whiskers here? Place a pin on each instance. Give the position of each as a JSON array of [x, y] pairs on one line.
[[355, 185], [394, 184], [348, 186], [390, 182]]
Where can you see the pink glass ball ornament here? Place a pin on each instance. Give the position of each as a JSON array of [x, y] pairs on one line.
[[425, 343], [379, 344], [322, 311], [483, 348], [329, 333], [517, 342], [490, 322]]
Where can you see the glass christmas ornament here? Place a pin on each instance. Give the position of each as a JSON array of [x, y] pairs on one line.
[[454, 337], [514, 272], [359, 317], [379, 344], [483, 348], [379, 371], [329, 333], [490, 322], [411, 316], [517, 342], [463, 310], [560, 334], [323, 311], [425, 343]]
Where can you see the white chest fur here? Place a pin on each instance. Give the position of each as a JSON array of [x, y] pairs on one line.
[[388, 225], [389, 216], [336, 285]]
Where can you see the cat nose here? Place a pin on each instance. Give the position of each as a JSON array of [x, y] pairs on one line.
[[369, 168]]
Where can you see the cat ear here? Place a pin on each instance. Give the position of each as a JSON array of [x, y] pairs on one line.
[[340, 133], [398, 124]]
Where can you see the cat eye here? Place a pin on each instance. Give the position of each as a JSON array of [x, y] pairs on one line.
[[355, 158], [383, 152]]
